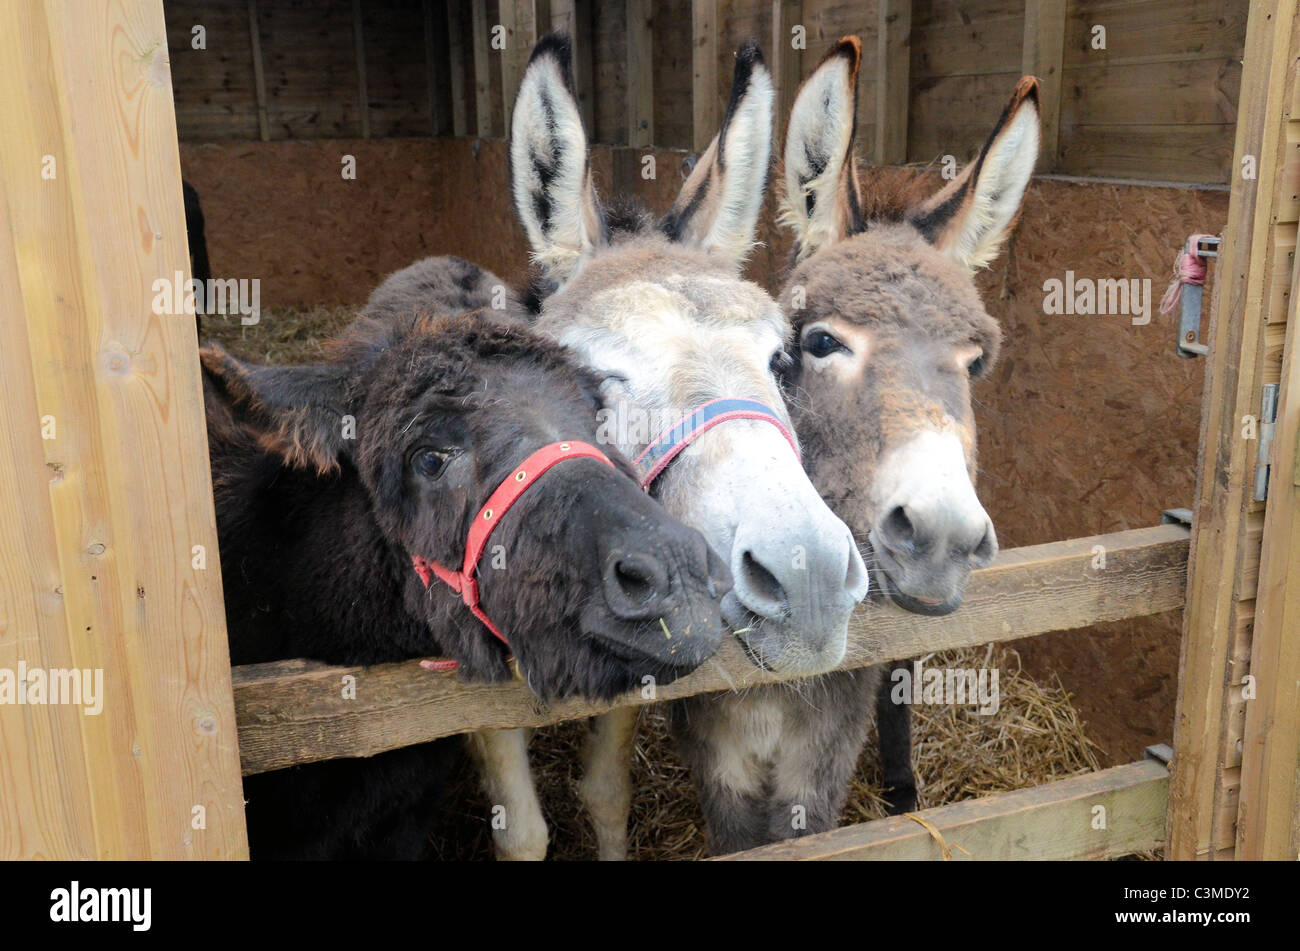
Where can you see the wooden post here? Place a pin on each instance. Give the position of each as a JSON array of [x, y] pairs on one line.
[[1249, 294], [1268, 814], [640, 74], [259, 77], [482, 78], [893, 63], [363, 94], [1042, 55], [787, 62], [456, 58], [574, 18], [706, 110], [525, 21], [108, 546], [437, 52]]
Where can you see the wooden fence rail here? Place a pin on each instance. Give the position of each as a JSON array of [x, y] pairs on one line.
[[1053, 821], [293, 712]]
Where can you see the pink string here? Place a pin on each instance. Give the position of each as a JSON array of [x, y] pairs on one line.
[[1189, 268]]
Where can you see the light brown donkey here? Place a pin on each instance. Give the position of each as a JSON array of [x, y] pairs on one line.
[[891, 332]]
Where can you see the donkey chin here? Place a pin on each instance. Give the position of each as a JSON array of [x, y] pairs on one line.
[[782, 645], [925, 582], [661, 648]]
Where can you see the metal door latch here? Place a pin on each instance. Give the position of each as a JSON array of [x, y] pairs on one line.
[[1188, 288]]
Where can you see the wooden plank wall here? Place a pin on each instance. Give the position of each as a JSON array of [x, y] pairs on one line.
[[1139, 89], [103, 459]]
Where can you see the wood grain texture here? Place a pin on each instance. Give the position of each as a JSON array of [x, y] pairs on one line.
[[294, 712], [1226, 460], [96, 567], [1044, 46], [786, 62], [1054, 821], [706, 107], [482, 71], [893, 91], [1267, 809], [640, 74]]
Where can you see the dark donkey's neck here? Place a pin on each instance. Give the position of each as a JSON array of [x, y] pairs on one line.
[[306, 571]]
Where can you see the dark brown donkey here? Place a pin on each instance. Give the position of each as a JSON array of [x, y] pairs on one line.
[[334, 483], [891, 332]]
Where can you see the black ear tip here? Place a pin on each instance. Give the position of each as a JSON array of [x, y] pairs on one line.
[[556, 44], [749, 54]]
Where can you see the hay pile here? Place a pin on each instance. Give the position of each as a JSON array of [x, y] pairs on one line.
[[1035, 737]]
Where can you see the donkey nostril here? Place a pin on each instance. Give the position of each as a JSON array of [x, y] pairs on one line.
[[986, 549], [898, 528], [634, 581], [761, 583]]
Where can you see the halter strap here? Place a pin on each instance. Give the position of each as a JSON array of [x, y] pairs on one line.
[[654, 459], [489, 516]]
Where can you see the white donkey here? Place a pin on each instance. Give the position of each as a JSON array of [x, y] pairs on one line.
[[691, 354]]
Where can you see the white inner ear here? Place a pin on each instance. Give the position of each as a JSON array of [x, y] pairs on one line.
[[748, 151], [999, 189], [546, 129], [821, 124]]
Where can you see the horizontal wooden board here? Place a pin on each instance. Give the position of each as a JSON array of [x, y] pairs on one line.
[[294, 712], [1176, 153], [1054, 821], [1146, 31]]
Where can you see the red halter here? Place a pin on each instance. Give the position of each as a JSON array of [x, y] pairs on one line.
[[489, 516]]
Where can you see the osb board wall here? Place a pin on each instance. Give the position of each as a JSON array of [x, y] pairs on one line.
[[1157, 102], [1087, 425]]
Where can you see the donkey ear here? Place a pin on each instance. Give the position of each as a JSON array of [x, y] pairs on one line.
[[550, 177], [297, 411], [822, 203], [719, 205], [970, 218]]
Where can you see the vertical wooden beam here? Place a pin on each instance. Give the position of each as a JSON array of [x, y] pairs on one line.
[[1268, 802], [482, 76], [893, 92], [103, 457], [525, 22], [1268, 816], [437, 56], [259, 77], [359, 42], [787, 62], [456, 59], [1041, 56], [706, 110], [574, 18], [640, 74], [1220, 610]]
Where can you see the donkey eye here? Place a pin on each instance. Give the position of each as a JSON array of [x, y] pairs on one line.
[[818, 343], [429, 463], [976, 367]]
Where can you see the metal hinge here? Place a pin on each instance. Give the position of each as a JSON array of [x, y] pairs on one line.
[[1267, 419]]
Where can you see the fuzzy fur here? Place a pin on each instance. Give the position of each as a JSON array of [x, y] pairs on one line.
[[317, 532]]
